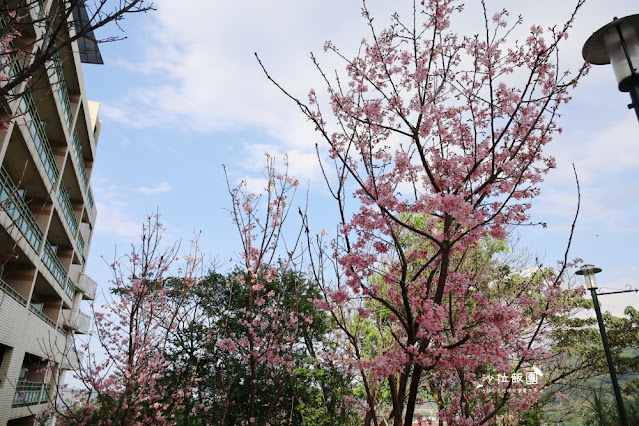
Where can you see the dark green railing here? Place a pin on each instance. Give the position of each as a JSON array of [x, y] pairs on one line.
[[67, 209], [70, 288], [15, 206], [10, 68], [9, 63], [90, 201], [39, 136], [37, 8], [77, 153], [60, 87], [12, 293], [53, 264], [42, 316], [80, 242]]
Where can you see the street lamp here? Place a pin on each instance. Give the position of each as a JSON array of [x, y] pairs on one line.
[[618, 43], [589, 271]]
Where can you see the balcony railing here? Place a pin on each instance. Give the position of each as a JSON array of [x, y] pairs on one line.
[[47, 320], [36, 129], [15, 206], [9, 63], [60, 88], [31, 393], [72, 360], [53, 264], [10, 68], [80, 242], [67, 209], [76, 320], [36, 8], [70, 288], [77, 153], [87, 286], [12, 293], [90, 201], [42, 316]]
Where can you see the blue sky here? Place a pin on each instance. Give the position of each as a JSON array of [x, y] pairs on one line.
[[183, 95]]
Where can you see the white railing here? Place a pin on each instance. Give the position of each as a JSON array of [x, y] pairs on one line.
[[87, 286], [78, 321]]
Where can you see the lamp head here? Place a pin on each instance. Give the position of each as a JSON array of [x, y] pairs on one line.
[[618, 43], [589, 271]]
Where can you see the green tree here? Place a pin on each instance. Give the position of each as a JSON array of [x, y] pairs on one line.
[[579, 386], [301, 387]]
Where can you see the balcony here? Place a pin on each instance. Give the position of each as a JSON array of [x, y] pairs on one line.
[[72, 360], [36, 308], [87, 286], [31, 393], [36, 130], [70, 289], [67, 209], [60, 88], [90, 201], [77, 154], [12, 293], [15, 206], [76, 320], [53, 264], [80, 242]]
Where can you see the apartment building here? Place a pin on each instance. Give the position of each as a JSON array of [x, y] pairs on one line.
[[47, 216]]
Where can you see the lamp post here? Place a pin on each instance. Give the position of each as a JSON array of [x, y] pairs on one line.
[[589, 271], [617, 43]]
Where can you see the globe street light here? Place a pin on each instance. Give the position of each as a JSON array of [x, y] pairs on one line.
[[589, 271], [617, 43]]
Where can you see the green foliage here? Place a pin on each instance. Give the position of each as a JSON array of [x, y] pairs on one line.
[[310, 392], [580, 370], [603, 410]]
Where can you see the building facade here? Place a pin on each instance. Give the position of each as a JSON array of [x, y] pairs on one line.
[[47, 216]]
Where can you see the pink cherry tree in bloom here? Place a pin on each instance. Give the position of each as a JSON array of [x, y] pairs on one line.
[[440, 137], [269, 328], [123, 379]]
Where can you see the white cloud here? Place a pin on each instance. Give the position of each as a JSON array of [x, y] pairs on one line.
[[302, 163], [255, 185], [615, 303], [200, 74], [599, 149], [204, 68], [113, 217], [204, 75], [160, 187]]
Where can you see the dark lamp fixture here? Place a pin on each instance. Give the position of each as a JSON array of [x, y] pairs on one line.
[[617, 43]]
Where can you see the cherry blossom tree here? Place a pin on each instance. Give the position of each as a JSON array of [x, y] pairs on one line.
[[182, 347], [440, 138], [253, 336], [208, 345], [260, 237], [126, 359]]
